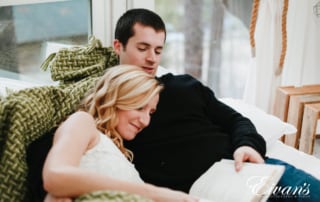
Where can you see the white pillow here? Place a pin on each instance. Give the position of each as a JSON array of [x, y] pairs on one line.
[[14, 85], [267, 125], [162, 71]]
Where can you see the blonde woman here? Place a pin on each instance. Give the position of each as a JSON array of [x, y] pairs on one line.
[[88, 153]]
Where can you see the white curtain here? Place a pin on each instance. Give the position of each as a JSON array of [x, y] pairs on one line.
[[262, 80], [302, 61]]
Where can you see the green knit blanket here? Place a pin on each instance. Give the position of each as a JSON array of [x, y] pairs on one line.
[[28, 114], [24, 117]]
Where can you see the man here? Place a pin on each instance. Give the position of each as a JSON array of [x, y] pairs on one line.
[[191, 129], [184, 124]]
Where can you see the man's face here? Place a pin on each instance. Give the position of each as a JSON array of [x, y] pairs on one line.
[[143, 49]]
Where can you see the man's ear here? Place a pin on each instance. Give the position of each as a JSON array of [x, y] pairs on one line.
[[117, 46]]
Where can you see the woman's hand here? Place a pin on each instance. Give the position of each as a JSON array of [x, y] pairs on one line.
[[246, 153], [51, 198]]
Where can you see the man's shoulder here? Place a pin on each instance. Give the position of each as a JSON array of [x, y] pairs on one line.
[[169, 77]]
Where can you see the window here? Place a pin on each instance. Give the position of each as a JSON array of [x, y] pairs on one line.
[[210, 40], [29, 32], [32, 29]]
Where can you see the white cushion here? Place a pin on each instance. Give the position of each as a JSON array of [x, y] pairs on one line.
[[14, 85], [267, 125], [162, 71]]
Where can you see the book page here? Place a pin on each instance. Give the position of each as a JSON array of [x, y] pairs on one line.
[[254, 182]]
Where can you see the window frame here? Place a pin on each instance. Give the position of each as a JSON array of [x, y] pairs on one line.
[[23, 2], [102, 21], [106, 13]]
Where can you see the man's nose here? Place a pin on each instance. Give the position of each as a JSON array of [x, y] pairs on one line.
[[151, 57]]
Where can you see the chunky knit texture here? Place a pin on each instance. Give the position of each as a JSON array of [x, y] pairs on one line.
[[111, 196], [28, 114]]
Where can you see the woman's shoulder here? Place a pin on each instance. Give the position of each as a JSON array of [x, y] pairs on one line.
[[81, 115], [80, 119], [79, 127]]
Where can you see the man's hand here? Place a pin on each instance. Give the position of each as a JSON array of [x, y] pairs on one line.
[[246, 153]]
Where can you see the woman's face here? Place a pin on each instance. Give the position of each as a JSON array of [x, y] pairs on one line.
[[131, 122]]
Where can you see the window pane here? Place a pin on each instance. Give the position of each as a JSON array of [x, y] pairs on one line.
[[29, 33], [210, 40]]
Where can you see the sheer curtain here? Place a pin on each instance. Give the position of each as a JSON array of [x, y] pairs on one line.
[[302, 59], [262, 79], [302, 64], [208, 39]]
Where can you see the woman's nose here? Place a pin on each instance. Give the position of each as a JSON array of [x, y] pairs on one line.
[[145, 119]]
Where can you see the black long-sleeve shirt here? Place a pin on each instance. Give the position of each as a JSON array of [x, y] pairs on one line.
[[190, 130]]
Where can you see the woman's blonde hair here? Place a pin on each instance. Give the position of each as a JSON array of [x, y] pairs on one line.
[[124, 87]]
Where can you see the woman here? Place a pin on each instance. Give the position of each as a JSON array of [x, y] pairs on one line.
[[88, 153]]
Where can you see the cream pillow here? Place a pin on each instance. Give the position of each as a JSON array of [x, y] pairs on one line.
[[7, 84], [267, 125]]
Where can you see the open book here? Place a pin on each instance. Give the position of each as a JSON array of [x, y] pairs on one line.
[[254, 182]]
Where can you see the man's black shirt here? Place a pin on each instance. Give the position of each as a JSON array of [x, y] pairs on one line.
[[190, 130]]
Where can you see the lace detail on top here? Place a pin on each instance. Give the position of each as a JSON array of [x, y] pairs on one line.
[[106, 158]]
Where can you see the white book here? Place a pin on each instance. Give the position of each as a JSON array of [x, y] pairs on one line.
[[254, 182]]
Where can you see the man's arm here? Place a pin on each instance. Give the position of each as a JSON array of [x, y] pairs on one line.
[[240, 128]]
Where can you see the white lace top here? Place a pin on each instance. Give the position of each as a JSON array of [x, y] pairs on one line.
[[106, 158]]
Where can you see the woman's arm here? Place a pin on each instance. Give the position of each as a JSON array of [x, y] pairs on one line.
[[63, 177], [71, 140]]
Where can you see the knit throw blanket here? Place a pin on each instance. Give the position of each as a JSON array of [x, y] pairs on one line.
[[27, 114]]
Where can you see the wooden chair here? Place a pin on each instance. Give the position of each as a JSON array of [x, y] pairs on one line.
[[311, 118], [296, 97], [295, 115]]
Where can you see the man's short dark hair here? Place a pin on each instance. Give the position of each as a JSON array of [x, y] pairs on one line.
[[124, 28]]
